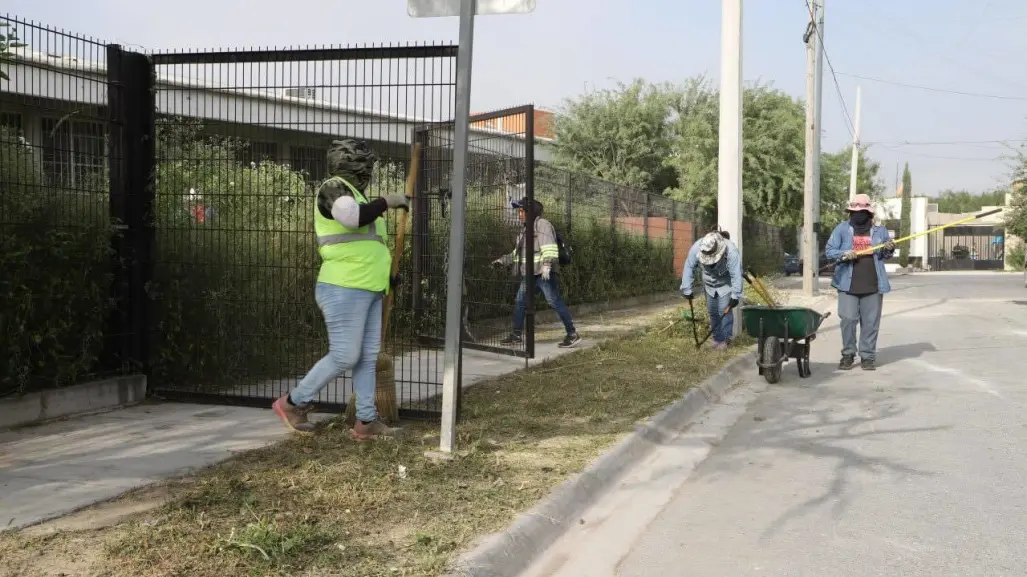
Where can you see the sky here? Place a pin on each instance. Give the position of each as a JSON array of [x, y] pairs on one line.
[[568, 47]]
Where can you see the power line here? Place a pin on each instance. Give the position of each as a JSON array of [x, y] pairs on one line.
[[946, 142], [934, 89], [957, 158], [851, 126]]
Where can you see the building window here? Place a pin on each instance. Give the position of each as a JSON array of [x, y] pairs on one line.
[[310, 160], [75, 153], [257, 151], [11, 120]]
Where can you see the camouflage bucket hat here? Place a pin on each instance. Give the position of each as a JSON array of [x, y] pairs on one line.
[[353, 160]]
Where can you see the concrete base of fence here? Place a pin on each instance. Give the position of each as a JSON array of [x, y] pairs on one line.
[[90, 397]]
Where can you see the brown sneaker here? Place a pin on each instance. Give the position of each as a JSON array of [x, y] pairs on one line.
[[294, 417], [369, 431]]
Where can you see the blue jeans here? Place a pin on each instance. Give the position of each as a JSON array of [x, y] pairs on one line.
[[354, 321], [723, 324], [551, 290], [865, 312]]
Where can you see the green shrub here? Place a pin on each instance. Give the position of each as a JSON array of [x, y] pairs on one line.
[[1015, 257], [56, 275]]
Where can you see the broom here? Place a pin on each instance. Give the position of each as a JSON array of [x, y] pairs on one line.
[[385, 372]]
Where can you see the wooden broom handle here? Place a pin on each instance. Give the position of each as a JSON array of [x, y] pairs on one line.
[[415, 158]]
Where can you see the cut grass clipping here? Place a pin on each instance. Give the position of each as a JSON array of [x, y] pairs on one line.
[[326, 506]]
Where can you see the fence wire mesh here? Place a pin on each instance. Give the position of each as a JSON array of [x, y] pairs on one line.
[[60, 276], [243, 138]]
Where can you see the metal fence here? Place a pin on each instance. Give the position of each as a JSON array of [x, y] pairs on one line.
[[170, 196], [242, 145], [67, 249], [967, 247], [496, 177]]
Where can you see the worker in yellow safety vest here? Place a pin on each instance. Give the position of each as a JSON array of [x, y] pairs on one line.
[[354, 277]]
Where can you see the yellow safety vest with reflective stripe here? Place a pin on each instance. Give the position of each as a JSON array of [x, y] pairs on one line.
[[545, 248], [352, 258]]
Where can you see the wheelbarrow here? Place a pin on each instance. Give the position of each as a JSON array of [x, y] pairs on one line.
[[782, 333]]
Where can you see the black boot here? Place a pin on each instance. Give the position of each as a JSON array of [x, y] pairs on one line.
[[846, 363]]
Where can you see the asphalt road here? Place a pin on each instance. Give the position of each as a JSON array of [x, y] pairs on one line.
[[917, 469]]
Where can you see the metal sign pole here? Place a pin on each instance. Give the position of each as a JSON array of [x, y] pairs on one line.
[[466, 10], [455, 274]]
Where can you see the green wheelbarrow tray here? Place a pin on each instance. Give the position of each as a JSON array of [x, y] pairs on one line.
[[782, 333], [781, 322]]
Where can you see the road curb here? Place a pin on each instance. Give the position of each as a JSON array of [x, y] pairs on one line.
[[510, 552]]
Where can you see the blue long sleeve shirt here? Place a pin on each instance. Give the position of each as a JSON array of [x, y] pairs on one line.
[[718, 278]]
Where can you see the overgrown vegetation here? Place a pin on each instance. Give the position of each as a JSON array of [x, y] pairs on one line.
[[55, 274]]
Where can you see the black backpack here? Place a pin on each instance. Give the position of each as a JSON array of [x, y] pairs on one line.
[[565, 252]]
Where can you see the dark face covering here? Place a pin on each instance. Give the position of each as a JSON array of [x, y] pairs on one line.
[[861, 221]]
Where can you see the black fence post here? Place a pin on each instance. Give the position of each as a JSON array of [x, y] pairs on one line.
[[529, 233], [132, 165], [645, 219], [568, 202], [613, 221]]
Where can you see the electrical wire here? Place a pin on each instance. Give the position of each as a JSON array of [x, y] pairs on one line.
[[934, 89], [946, 142]]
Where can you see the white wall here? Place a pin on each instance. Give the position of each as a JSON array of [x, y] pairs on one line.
[[891, 209]]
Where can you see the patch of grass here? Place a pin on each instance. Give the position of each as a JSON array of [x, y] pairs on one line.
[[327, 506]]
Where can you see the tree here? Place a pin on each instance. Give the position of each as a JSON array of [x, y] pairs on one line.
[[961, 201], [772, 151], [905, 218], [1016, 214], [835, 169], [621, 135]]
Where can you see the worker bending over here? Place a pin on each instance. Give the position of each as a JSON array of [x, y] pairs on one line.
[[722, 277]]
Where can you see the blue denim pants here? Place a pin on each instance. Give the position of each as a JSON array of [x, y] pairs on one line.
[[354, 321], [863, 311], [551, 290], [723, 324]]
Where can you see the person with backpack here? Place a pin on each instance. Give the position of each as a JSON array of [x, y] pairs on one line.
[[547, 256]]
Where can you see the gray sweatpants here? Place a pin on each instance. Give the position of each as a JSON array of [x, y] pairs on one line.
[[864, 311]]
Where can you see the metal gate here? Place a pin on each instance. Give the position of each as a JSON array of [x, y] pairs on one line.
[[241, 140], [499, 171], [967, 247]]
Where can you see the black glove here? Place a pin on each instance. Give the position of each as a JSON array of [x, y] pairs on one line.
[[688, 296], [395, 281], [732, 303]]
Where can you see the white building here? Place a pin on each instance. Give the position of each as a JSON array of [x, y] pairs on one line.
[[890, 212], [58, 102]]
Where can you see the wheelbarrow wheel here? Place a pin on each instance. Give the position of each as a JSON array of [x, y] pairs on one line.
[[770, 358]]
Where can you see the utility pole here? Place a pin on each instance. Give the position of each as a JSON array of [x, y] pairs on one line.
[[729, 167], [855, 147], [811, 188], [818, 100]]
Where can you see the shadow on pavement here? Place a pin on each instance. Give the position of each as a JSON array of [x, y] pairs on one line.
[[826, 417], [897, 353]]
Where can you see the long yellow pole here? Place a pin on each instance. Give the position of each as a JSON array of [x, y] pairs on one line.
[[933, 230]]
